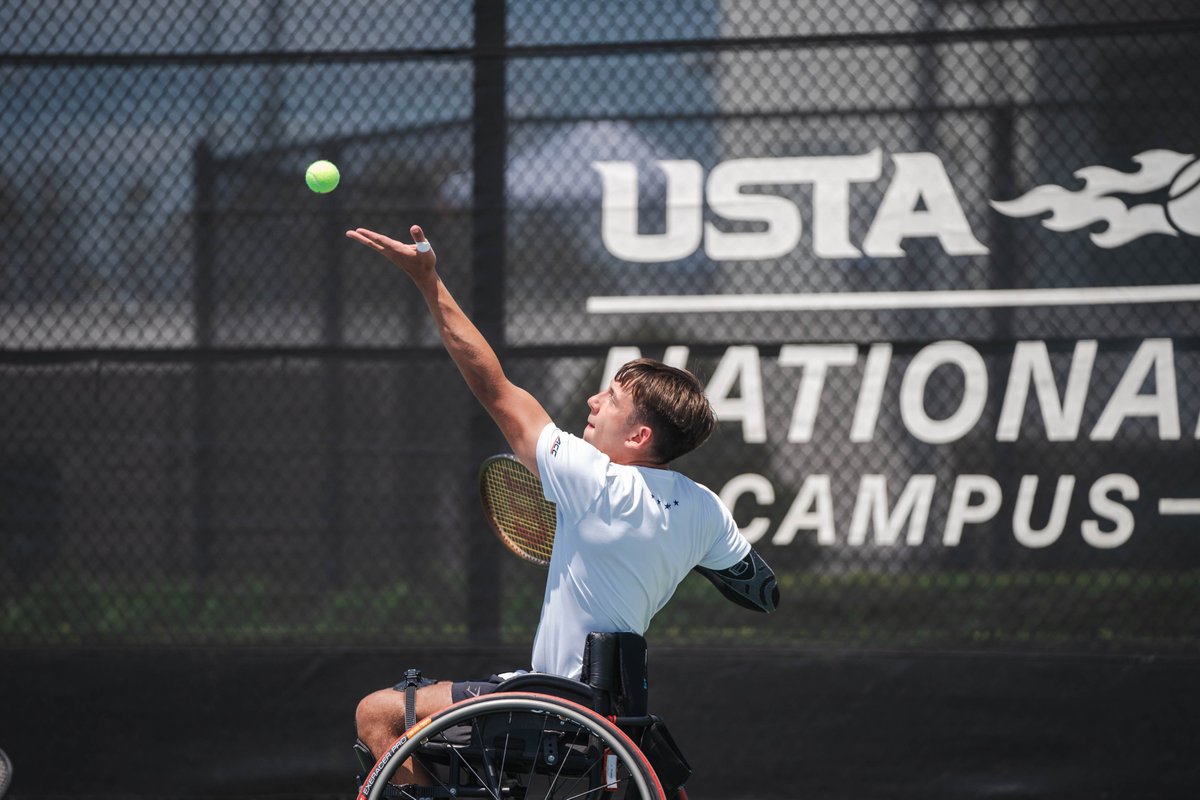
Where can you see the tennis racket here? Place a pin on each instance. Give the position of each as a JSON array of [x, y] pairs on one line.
[[516, 508], [5, 773]]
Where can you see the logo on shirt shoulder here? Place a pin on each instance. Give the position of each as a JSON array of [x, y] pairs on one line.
[[554, 447]]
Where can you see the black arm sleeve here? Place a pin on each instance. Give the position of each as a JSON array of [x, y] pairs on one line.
[[750, 583]]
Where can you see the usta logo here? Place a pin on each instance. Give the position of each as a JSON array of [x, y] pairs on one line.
[[918, 202]]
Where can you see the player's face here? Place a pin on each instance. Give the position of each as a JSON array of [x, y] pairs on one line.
[[610, 421]]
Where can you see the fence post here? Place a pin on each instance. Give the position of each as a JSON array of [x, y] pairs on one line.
[[333, 377], [202, 311], [490, 144]]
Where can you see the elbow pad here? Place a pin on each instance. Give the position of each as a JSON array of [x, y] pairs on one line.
[[750, 583]]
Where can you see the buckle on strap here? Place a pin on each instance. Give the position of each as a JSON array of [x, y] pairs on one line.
[[412, 681]]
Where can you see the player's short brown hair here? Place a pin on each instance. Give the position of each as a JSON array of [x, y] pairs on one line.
[[671, 402]]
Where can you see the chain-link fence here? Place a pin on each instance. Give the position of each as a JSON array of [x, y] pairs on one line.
[[936, 261]]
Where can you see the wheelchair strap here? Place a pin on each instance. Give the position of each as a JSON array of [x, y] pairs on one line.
[[412, 682]]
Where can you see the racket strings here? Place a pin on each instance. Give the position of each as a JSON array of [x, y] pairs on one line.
[[521, 515]]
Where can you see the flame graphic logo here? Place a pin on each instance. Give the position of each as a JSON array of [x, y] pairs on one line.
[[1100, 200]]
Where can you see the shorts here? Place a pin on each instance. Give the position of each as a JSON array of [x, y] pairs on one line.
[[463, 690]]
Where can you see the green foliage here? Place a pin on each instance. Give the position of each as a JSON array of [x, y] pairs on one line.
[[952, 609]]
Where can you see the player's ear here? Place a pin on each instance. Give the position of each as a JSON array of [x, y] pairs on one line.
[[641, 437]]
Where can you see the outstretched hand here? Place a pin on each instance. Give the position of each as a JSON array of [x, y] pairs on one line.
[[405, 256]]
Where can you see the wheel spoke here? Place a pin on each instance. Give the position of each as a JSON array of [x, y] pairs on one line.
[[492, 787], [457, 752], [430, 772], [563, 762], [507, 734]]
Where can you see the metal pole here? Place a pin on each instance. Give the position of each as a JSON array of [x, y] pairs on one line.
[[490, 145]]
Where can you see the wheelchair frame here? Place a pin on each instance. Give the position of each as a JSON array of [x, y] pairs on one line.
[[484, 747], [545, 736]]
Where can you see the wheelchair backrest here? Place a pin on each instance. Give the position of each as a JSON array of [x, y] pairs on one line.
[[615, 665]]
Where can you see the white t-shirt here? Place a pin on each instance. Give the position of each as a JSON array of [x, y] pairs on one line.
[[626, 537]]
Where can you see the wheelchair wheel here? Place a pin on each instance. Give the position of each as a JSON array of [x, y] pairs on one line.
[[512, 746], [5, 773]]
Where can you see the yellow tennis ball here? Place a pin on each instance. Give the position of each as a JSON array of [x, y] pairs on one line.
[[322, 176]]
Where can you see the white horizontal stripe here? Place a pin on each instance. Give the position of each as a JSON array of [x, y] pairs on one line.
[[1178, 506], [969, 298]]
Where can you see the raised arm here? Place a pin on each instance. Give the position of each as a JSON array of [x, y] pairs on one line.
[[517, 413]]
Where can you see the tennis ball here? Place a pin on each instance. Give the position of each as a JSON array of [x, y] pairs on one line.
[[322, 176]]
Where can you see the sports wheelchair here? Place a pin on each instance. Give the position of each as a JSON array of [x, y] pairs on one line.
[[544, 736]]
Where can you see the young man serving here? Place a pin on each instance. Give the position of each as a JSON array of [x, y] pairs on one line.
[[629, 529]]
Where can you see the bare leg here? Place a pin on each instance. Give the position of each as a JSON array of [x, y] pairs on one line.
[[380, 720]]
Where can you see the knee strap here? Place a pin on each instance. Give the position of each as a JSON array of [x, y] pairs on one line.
[[412, 681]]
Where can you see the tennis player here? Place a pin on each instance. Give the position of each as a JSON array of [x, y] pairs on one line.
[[629, 529]]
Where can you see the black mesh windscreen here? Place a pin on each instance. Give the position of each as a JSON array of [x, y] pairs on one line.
[[936, 262]]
